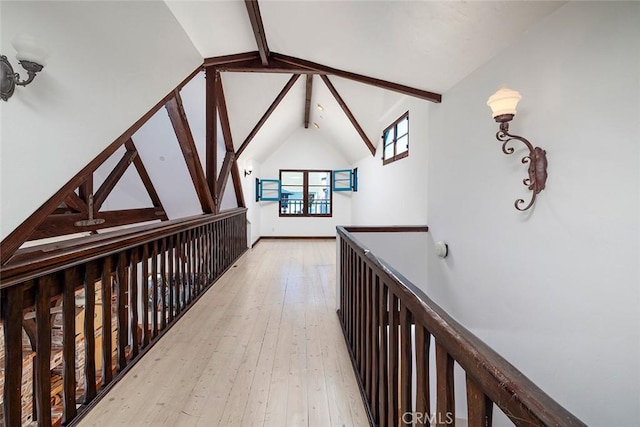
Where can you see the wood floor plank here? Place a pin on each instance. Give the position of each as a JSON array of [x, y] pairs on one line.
[[262, 347]]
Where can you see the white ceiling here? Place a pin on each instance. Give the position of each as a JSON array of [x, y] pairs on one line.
[[429, 45]]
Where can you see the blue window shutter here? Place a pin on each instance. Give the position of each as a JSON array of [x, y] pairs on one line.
[[269, 190], [354, 185], [342, 180]]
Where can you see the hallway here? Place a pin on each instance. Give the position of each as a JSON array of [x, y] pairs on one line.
[[262, 347]]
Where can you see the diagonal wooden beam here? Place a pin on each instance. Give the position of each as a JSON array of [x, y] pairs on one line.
[[75, 202], [180, 125], [237, 185], [266, 115], [114, 176], [323, 69], [224, 116], [258, 29], [211, 130], [349, 114], [227, 163], [307, 101], [146, 180], [215, 61], [22, 233]]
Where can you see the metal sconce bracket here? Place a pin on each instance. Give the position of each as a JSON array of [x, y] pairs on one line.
[[537, 160], [11, 79]]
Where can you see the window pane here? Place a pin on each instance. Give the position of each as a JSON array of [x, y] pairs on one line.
[[403, 126], [389, 136], [292, 178], [291, 202], [388, 151], [402, 144]]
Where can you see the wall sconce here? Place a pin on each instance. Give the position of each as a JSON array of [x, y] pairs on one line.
[[503, 106], [248, 169], [31, 55]]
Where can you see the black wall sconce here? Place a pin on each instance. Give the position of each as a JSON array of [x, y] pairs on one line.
[[248, 169], [503, 106], [31, 55]]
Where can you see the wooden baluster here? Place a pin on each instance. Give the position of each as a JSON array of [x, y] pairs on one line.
[[375, 345], [445, 398], [43, 349], [11, 311], [361, 318], [352, 298], [383, 379], [199, 260], [479, 406], [196, 261], [72, 278], [406, 363], [90, 278], [154, 290], [163, 284], [170, 277], [122, 334], [210, 253], [144, 263], [343, 269], [423, 396], [368, 328], [107, 351], [189, 260], [179, 274], [392, 390], [133, 303], [358, 308]]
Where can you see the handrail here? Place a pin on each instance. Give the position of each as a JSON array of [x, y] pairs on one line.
[[31, 262], [92, 307], [490, 378]]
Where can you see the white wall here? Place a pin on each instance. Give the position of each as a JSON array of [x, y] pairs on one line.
[[556, 289], [395, 194], [110, 62], [304, 149], [249, 189]]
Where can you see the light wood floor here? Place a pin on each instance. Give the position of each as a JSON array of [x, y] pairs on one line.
[[262, 347]]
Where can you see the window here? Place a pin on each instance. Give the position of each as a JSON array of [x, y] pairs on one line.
[[396, 140], [305, 193]]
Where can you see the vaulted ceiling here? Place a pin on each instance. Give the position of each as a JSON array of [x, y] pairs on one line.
[[354, 58], [428, 45]]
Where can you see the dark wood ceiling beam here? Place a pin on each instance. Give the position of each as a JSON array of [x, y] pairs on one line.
[[258, 29], [268, 113], [22, 233], [230, 59], [180, 124], [227, 163], [114, 176], [211, 131], [256, 66], [237, 185], [146, 180], [307, 100], [323, 69], [224, 117], [349, 114], [57, 225]]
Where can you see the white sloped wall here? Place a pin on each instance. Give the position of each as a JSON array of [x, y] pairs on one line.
[[110, 63]]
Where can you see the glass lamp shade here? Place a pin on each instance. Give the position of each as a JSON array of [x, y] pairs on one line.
[[30, 48], [504, 102]]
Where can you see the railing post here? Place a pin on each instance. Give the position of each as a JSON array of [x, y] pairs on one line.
[[11, 315], [445, 408], [479, 406], [72, 278], [43, 350], [90, 278]]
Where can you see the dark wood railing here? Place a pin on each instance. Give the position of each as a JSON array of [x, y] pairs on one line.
[[390, 327], [77, 315]]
